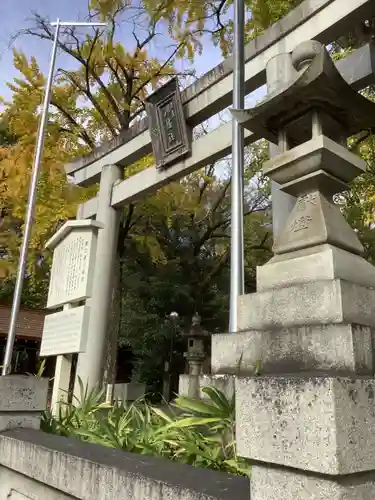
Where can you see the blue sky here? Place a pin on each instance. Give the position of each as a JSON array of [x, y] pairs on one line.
[[14, 15]]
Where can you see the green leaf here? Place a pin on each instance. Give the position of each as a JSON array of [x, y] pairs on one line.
[[239, 467], [161, 414], [190, 422], [196, 406], [218, 398]]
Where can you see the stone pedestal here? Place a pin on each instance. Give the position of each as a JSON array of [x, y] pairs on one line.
[[340, 349], [311, 438], [125, 393], [22, 401], [307, 422], [191, 387], [324, 425]]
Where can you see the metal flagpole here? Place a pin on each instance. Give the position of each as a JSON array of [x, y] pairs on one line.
[[237, 190], [7, 363], [30, 212]]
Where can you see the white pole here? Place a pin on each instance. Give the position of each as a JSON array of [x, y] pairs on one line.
[[237, 191], [30, 212], [6, 368]]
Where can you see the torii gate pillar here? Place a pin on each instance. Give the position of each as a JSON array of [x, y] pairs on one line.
[[90, 365]]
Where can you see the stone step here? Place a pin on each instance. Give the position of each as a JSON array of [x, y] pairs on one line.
[[340, 349], [319, 302]]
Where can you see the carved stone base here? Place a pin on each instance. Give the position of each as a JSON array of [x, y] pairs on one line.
[[315, 220], [324, 262], [22, 401], [338, 349], [315, 303]]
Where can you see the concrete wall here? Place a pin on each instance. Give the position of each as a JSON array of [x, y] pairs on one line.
[[15, 486], [39, 466]]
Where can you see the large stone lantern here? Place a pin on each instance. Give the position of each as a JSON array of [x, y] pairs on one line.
[[308, 422]]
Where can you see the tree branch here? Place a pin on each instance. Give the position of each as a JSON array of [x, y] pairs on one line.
[[218, 11], [92, 99], [77, 54], [363, 136], [205, 183], [216, 270], [82, 132]]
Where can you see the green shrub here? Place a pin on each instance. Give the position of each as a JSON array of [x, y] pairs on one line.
[[200, 433]]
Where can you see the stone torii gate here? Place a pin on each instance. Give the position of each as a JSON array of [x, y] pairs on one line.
[[323, 20]]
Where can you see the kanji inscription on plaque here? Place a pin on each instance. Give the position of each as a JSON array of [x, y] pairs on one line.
[[170, 135], [72, 265], [65, 332]]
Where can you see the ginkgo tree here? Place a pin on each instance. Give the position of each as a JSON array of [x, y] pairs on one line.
[[99, 96], [215, 17], [93, 102], [110, 80], [57, 198]]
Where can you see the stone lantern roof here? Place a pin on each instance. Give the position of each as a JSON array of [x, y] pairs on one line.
[[315, 85], [196, 330]]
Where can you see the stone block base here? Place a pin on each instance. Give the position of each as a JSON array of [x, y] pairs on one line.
[[129, 392], [288, 484], [339, 349], [19, 420], [22, 400], [317, 424], [191, 386], [320, 302], [324, 262]]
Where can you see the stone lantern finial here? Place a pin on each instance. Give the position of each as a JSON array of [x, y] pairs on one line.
[[303, 54]]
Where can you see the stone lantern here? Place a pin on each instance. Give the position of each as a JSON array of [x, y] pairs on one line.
[[196, 352], [307, 422], [310, 117]]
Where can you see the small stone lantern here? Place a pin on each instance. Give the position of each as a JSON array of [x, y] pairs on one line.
[[196, 353]]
